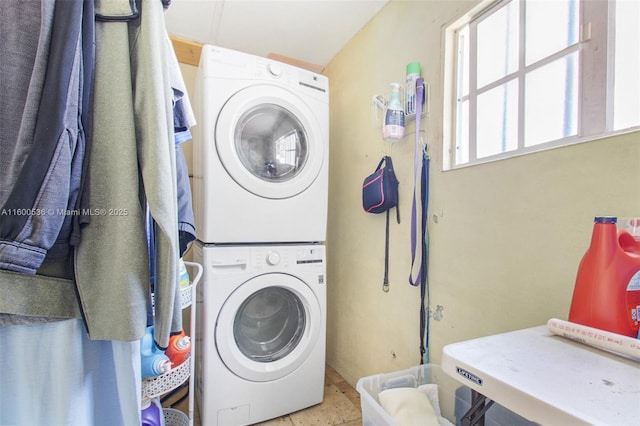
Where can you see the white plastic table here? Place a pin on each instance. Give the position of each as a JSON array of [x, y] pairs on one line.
[[548, 379]]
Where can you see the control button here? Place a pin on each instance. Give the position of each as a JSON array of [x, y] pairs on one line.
[[275, 70], [273, 258]]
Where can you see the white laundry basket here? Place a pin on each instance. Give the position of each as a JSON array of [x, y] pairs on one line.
[[369, 388]]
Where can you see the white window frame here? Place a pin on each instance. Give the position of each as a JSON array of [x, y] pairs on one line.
[[595, 85]]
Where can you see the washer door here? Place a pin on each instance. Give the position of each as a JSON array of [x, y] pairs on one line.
[[269, 141], [268, 327]]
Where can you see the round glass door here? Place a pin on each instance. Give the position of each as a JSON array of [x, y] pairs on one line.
[[268, 327], [270, 142], [269, 324]]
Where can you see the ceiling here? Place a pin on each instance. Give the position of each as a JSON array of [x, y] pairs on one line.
[[312, 31]]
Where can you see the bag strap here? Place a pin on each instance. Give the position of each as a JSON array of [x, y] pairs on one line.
[[389, 164], [424, 283], [416, 167], [385, 282], [423, 185]]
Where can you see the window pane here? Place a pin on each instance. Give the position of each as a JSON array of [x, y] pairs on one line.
[[626, 101], [462, 133], [498, 44], [497, 128], [551, 26], [463, 62], [551, 101]]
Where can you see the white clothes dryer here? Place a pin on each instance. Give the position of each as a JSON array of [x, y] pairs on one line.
[[261, 150], [261, 330]]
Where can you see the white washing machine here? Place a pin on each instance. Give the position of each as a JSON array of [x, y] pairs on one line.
[[261, 329], [261, 150]]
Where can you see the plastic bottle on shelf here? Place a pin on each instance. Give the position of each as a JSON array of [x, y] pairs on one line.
[[179, 348], [393, 127], [151, 414], [413, 74], [154, 361], [184, 275], [607, 290]]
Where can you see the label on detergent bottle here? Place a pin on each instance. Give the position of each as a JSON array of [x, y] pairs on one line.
[[393, 128], [633, 306], [634, 282], [184, 275], [394, 125], [395, 118]]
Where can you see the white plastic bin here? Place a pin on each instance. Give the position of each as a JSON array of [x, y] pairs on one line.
[[369, 388]]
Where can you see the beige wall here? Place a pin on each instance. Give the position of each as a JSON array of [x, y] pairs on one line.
[[505, 237]]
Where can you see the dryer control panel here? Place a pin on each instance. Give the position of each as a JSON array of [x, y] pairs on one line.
[[225, 63]]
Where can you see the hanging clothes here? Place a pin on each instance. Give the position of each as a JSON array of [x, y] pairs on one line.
[[186, 219], [183, 120], [74, 285], [132, 164], [132, 148]]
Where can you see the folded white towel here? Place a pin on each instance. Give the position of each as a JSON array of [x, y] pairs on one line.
[[431, 390], [408, 407]]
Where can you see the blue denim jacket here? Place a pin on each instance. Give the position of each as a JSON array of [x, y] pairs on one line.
[[45, 81]]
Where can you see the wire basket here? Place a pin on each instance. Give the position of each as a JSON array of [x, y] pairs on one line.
[[186, 296], [156, 386], [174, 417]]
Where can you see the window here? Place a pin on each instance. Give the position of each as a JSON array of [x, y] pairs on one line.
[[526, 75]]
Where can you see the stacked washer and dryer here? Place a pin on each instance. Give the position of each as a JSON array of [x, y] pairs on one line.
[[260, 203]]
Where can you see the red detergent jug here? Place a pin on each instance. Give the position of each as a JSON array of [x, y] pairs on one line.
[[607, 290], [179, 348]]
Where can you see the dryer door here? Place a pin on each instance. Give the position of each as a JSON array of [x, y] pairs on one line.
[[269, 141], [268, 327]]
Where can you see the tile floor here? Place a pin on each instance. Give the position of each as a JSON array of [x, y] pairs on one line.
[[341, 406]]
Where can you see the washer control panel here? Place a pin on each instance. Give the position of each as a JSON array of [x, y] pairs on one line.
[[284, 257]]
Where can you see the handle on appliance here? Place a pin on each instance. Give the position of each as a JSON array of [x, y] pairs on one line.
[[239, 263]]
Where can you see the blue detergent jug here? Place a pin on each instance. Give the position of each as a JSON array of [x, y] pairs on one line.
[[154, 361]]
